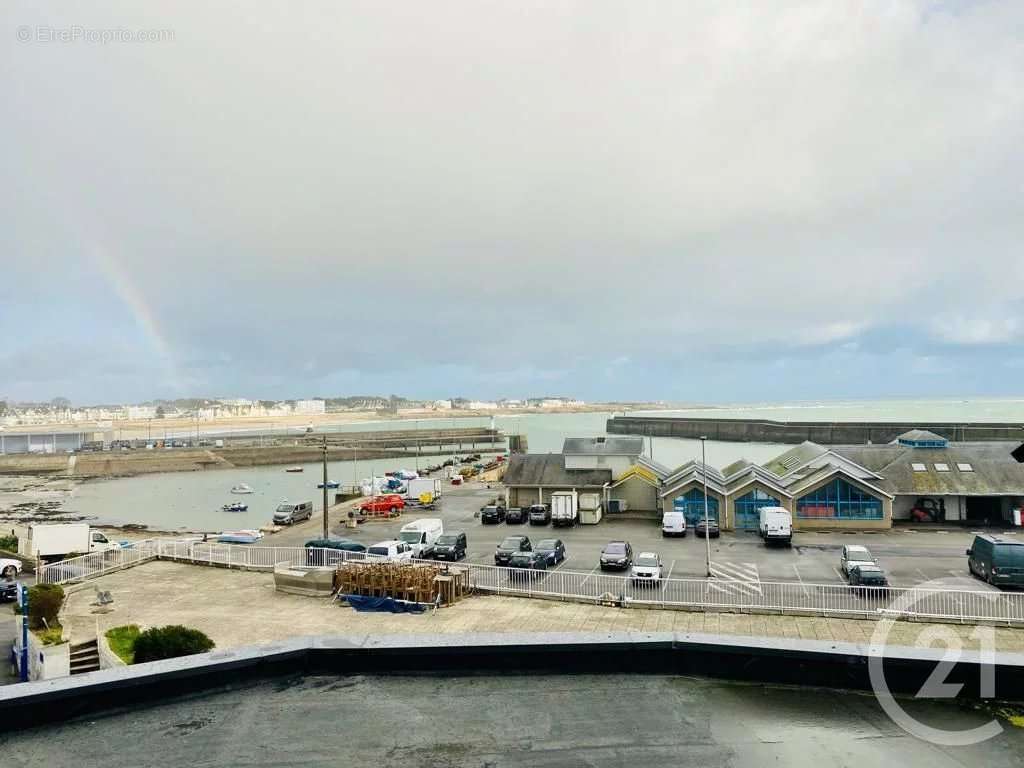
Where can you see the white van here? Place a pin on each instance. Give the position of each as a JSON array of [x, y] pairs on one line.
[[775, 525], [421, 534], [395, 550], [673, 524]]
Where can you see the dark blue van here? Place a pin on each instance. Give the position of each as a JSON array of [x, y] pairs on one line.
[[996, 560]]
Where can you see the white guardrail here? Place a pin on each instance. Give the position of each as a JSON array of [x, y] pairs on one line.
[[692, 594]]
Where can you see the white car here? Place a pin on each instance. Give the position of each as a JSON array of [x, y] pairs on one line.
[[646, 569], [398, 551], [854, 554], [9, 568]]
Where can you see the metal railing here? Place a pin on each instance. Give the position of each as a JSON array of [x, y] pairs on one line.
[[967, 606]]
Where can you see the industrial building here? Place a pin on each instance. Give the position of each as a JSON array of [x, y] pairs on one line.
[[919, 476]]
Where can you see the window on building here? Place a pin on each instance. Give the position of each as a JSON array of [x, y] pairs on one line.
[[747, 508], [918, 467], [691, 504], [839, 500], [940, 467], [964, 467]]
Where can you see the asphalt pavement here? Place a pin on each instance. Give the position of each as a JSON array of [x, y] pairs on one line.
[[909, 556]]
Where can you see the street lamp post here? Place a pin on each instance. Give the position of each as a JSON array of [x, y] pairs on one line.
[[325, 531], [707, 525]]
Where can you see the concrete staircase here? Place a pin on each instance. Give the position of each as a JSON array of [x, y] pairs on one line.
[[85, 657]]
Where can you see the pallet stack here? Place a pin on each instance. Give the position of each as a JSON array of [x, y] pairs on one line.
[[419, 583]]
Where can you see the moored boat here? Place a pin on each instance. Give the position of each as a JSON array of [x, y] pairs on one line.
[[235, 506], [293, 469], [330, 484], [241, 488]]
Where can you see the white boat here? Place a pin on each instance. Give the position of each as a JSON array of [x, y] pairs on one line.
[[242, 488], [244, 536], [293, 469], [236, 506]]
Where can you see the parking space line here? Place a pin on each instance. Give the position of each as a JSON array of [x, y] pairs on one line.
[[589, 575], [839, 573], [800, 579]]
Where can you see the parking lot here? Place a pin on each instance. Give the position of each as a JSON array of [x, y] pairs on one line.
[[739, 561]]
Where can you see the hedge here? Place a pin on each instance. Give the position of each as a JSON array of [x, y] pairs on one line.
[[170, 642]]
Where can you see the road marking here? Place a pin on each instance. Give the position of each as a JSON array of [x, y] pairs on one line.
[[924, 576], [735, 578], [664, 586], [800, 579], [589, 575], [839, 573]]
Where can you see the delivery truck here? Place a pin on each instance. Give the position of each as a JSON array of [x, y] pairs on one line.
[[775, 525], [564, 508], [590, 508], [55, 541]]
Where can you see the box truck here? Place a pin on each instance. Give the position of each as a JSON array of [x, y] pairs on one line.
[[55, 541], [590, 508], [564, 508], [420, 485], [775, 525]]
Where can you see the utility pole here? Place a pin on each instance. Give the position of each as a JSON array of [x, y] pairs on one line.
[[325, 488], [707, 533]]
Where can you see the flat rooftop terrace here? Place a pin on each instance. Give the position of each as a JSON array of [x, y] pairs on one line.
[[241, 608]]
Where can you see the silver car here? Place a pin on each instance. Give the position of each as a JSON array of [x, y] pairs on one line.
[[854, 554]]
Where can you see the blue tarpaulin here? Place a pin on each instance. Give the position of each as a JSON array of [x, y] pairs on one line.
[[365, 604]]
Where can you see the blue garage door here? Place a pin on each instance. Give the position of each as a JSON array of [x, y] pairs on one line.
[[691, 505], [747, 506]]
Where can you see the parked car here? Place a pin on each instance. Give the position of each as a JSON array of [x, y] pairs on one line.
[[540, 514], [616, 556], [996, 560], [509, 546], [288, 513], [389, 502], [673, 524], [395, 550], [516, 516], [552, 549], [854, 554], [330, 551], [449, 546], [646, 570], [864, 575], [492, 514], [707, 529], [8, 591], [527, 564], [9, 567]]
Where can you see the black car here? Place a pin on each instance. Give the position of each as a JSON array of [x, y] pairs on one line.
[[540, 514], [552, 549], [492, 514], [516, 516], [449, 546], [616, 556], [509, 546], [8, 591], [868, 580], [707, 529], [527, 564]]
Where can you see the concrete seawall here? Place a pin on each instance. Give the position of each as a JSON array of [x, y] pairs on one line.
[[825, 433], [788, 662]]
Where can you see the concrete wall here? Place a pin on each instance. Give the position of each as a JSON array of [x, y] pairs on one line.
[[45, 662], [617, 464], [825, 433]]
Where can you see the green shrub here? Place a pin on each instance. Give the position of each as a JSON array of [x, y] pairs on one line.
[[122, 641], [52, 636], [44, 602], [170, 642], [9, 543]]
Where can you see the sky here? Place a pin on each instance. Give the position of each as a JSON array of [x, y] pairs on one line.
[[694, 202]]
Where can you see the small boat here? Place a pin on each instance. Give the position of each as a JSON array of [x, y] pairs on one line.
[[235, 506], [293, 469], [330, 484], [242, 488], [244, 536]]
